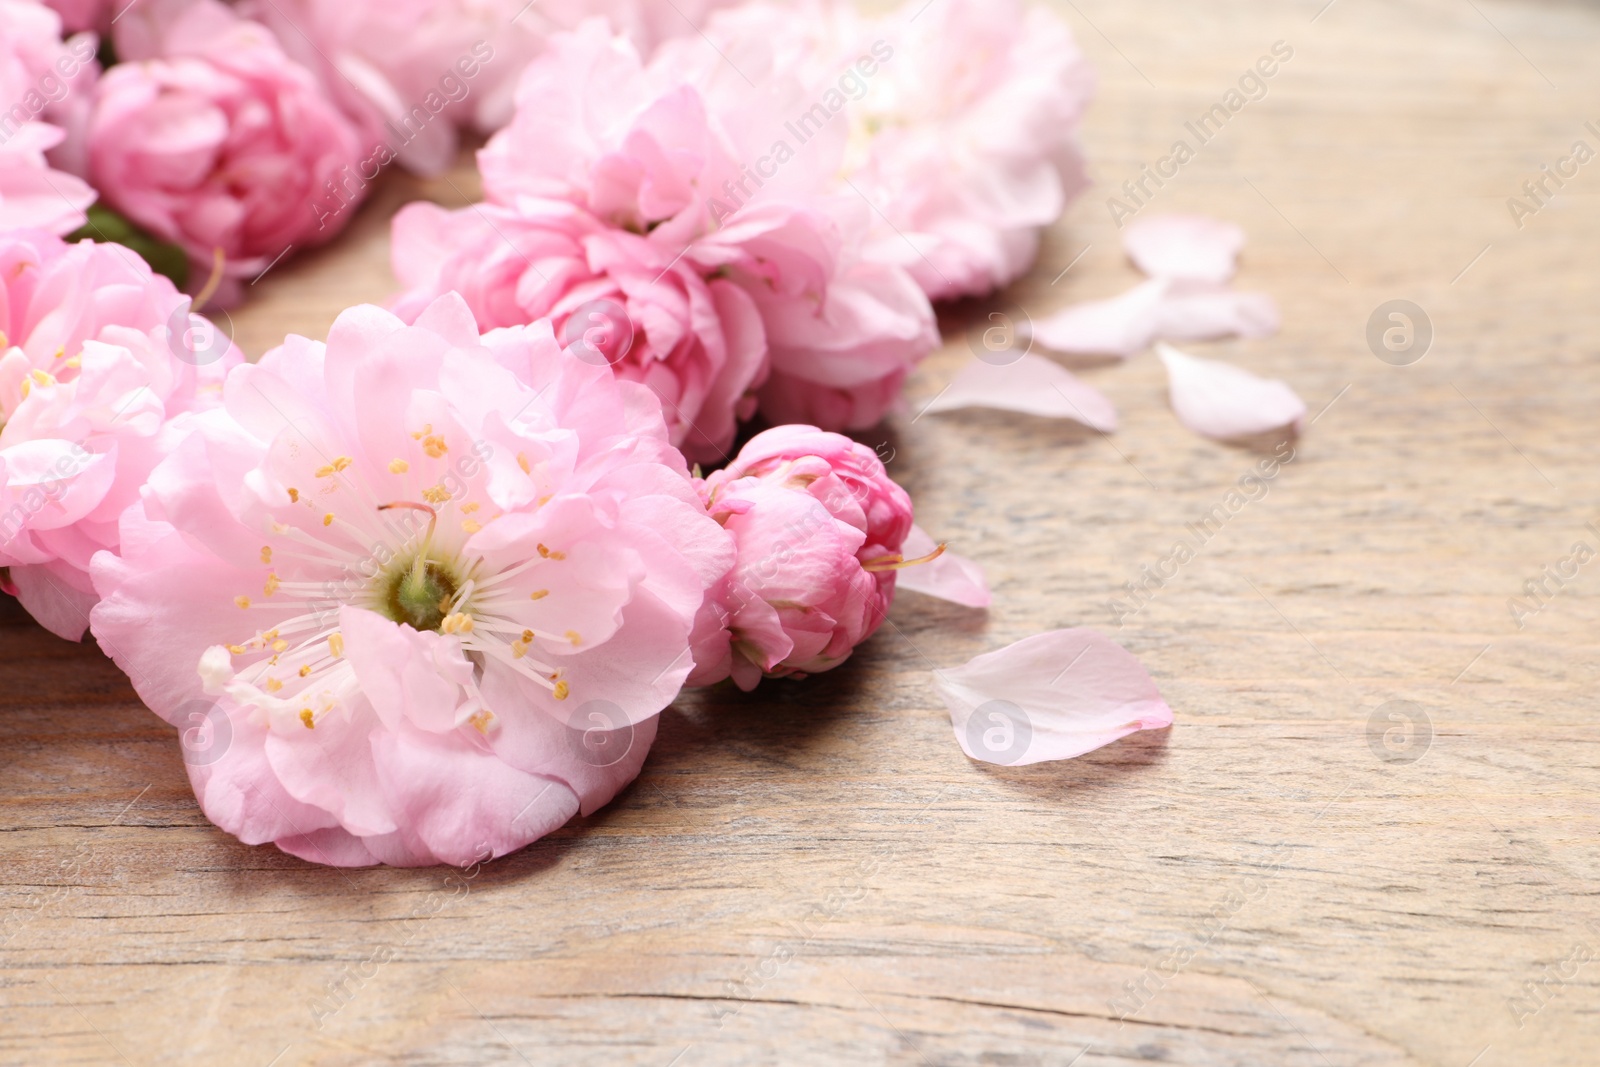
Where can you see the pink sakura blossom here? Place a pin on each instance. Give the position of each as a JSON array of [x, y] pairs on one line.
[[102, 368], [413, 73], [960, 120], [614, 297], [213, 139], [652, 150], [45, 90], [819, 527], [409, 73], [419, 594]]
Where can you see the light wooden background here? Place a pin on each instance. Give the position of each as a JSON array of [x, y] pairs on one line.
[[816, 874]]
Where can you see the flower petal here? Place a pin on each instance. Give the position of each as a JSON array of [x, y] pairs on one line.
[[1222, 401], [950, 577], [1201, 311], [1051, 696], [1119, 326], [1032, 385], [1184, 246]]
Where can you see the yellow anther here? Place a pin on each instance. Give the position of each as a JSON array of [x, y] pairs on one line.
[[481, 719], [459, 623], [468, 509], [398, 466], [518, 650], [336, 645], [270, 635], [327, 520], [272, 584], [242, 601], [539, 594], [294, 495], [574, 637], [522, 461], [527, 637], [561, 690], [266, 554], [73, 364], [471, 526], [420, 434], [436, 494], [543, 551], [557, 555], [308, 718], [273, 685], [237, 650], [42, 377], [306, 670], [434, 446], [280, 646]]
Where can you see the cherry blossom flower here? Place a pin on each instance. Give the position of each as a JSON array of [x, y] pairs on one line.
[[617, 298], [213, 139], [819, 526], [102, 366], [46, 85], [432, 589], [654, 150]]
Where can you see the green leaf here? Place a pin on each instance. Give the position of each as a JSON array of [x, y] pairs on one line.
[[107, 226]]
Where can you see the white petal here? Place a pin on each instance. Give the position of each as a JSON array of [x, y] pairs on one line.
[[1222, 401], [1184, 246], [1051, 696], [1201, 311], [1032, 385], [950, 577], [1119, 326]]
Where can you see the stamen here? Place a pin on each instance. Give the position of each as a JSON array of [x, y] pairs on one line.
[[896, 562]]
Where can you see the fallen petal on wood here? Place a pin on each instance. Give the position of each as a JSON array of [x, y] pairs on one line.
[[1184, 246], [1052, 696], [1221, 401], [1032, 385]]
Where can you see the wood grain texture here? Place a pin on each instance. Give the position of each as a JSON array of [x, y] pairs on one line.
[[816, 874]]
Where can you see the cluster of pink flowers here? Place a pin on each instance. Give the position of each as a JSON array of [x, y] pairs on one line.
[[772, 245], [419, 593]]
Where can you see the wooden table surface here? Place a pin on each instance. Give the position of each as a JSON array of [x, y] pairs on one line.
[[816, 874]]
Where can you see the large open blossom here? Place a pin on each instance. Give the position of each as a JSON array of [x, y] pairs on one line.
[[819, 527], [961, 119], [430, 590], [209, 136], [619, 298], [101, 368], [45, 89], [710, 181]]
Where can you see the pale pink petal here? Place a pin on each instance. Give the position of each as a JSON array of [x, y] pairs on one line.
[[1184, 246], [1051, 696], [1119, 326], [950, 577], [60, 607], [1222, 401], [1032, 385], [1201, 311]]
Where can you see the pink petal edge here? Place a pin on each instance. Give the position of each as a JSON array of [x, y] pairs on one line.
[[1051, 696], [1031, 385], [950, 577], [1184, 246], [1221, 401]]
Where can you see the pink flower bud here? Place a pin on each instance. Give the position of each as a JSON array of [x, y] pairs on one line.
[[818, 526]]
